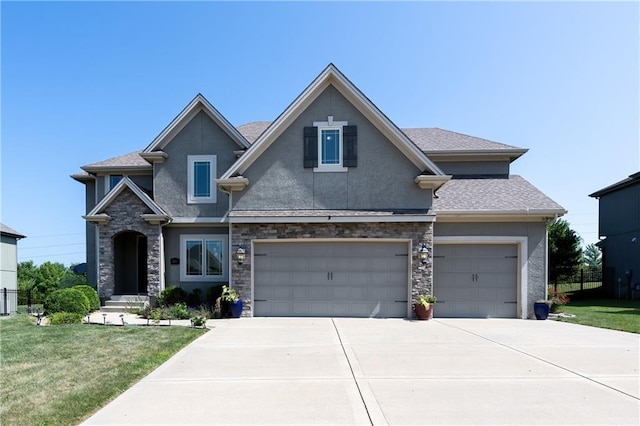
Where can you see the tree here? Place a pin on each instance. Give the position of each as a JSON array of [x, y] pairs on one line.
[[565, 252], [592, 258], [27, 275]]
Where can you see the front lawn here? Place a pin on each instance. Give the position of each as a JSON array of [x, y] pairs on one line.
[[60, 375], [605, 313]]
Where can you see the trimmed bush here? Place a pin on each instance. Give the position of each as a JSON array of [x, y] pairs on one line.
[[92, 296], [67, 300], [171, 296], [65, 318], [179, 311]]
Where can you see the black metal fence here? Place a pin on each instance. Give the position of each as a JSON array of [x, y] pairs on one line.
[[12, 300], [584, 279]]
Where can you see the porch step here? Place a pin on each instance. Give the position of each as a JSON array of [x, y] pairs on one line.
[[123, 303]]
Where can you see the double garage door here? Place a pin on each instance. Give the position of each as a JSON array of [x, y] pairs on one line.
[[370, 279], [357, 279], [476, 280]]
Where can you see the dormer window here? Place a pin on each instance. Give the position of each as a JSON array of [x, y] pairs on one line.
[[330, 146]]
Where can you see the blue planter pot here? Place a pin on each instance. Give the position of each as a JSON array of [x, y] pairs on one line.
[[541, 310], [236, 309]]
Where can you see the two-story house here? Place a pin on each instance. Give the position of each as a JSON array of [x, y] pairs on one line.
[[619, 230], [329, 210]]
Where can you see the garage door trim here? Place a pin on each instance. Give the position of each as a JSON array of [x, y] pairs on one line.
[[522, 247], [408, 242]]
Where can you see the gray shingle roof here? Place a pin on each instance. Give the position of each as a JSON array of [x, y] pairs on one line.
[[435, 139], [132, 159], [4, 229], [251, 131], [512, 195], [427, 139]]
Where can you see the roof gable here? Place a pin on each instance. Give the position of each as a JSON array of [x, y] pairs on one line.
[[125, 182], [332, 76], [199, 103]]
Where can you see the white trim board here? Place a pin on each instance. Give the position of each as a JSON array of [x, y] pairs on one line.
[[523, 256]]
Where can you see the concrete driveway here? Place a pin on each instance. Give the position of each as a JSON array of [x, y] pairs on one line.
[[368, 371]]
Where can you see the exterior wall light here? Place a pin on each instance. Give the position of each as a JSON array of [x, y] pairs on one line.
[[240, 255], [423, 253]]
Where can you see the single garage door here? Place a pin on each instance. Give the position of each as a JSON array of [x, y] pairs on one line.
[[356, 279], [476, 280]]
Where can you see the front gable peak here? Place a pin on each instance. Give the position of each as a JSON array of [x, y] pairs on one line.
[[331, 76], [198, 104]]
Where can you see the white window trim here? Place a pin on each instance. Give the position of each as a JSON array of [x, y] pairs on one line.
[[330, 125], [212, 198], [204, 237]]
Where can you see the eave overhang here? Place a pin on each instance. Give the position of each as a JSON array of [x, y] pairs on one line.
[[155, 156], [228, 185], [83, 177], [431, 182], [118, 169], [476, 155], [524, 215]]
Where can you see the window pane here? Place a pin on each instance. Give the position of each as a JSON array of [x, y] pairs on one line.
[[113, 180], [201, 179], [214, 257], [331, 146], [194, 257]]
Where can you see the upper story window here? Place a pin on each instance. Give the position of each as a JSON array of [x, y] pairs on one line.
[[112, 180], [330, 146], [201, 185]]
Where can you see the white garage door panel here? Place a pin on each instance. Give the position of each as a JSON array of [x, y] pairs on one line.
[[331, 279], [476, 280]]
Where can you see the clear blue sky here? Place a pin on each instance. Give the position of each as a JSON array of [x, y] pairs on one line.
[[84, 81]]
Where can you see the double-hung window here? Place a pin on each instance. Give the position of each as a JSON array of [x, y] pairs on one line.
[[201, 186], [203, 258]]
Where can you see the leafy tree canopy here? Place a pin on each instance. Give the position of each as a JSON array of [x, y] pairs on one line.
[[565, 252], [47, 277]]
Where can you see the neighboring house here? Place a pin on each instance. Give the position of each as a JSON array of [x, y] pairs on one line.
[[8, 268], [619, 230], [331, 204]]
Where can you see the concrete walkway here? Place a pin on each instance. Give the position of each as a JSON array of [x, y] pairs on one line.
[[367, 371]]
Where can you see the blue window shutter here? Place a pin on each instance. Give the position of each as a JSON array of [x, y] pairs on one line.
[[310, 147], [350, 146]]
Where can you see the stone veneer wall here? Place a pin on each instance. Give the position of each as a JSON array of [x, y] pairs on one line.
[[125, 213], [418, 233]]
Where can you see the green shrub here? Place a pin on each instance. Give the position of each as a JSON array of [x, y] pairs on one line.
[[92, 296], [171, 296], [195, 298], [58, 318], [179, 311], [67, 300]]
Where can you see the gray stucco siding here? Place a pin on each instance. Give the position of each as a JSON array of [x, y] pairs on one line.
[[383, 178], [201, 136], [171, 236], [536, 233]]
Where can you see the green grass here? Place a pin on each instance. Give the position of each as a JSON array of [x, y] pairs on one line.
[[605, 313], [60, 375]]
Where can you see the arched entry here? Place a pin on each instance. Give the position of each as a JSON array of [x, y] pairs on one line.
[[130, 263]]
